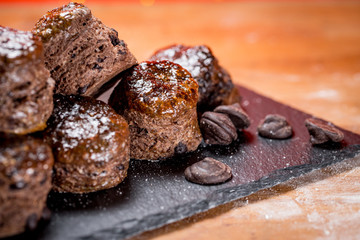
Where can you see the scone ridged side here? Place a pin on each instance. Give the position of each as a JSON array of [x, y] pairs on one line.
[[158, 99], [155, 138], [25, 181], [81, 53], [26, 88]]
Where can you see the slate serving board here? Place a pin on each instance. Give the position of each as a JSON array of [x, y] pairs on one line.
[[156, 193]]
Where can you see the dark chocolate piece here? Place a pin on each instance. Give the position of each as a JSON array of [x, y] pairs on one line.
[[217, 128], [26, 88], [158, 99], [275, 126], [90, 141], [208, 171], [24, 164], [237, 115], [81, 53], [215, 84], [322, 132]]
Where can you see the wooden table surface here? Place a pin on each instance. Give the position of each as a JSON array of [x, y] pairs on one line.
[[306, 55]]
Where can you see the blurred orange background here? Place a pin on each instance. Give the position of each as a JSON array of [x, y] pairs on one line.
[[151, 2]]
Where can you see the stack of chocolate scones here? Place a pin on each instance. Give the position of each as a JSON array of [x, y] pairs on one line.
[[26, 102], [55, 135]]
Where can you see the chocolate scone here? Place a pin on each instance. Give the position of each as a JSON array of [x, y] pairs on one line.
[[25, 181], [81, 53], [26, 88], [215, 84], [158, 99], [90, 143]]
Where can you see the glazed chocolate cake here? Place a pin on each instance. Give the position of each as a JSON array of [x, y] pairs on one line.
[[158, 99], [81, 53], [26, 88], [25, 181], [90, 143], [215, 85]]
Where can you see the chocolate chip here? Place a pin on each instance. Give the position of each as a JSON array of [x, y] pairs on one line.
[[117, 34], [18, 185], [114, 40], [100, 60], [82, 90], [275, 126], [217, 128], [122, 52], [321, 132], [181, 148], [73, 55], [43, 181], [46, 214], [31, 222], [208, 171], [237, 115], [120, 167], [96, 66], [122, 43]]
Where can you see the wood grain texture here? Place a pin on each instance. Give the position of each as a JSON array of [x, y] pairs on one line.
[[306, 55]]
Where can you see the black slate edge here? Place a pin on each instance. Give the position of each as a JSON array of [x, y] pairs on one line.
[[132, 227]]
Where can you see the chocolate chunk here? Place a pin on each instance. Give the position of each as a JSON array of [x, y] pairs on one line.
[[122, 52], [46, 214], [321, 132], [237, 115], [114, 40], [275, 126], [82, 90], [120, 167], [96, 66], [116, 32], [217, 128], [18, 185], [208, 171], [31, 222], [181, 148]]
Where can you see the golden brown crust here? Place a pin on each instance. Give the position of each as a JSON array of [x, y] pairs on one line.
[[158, 89]]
